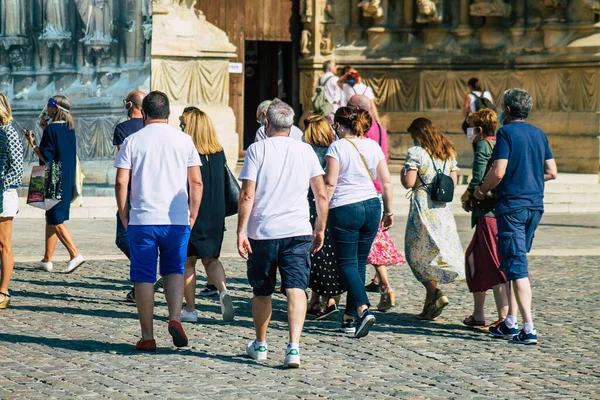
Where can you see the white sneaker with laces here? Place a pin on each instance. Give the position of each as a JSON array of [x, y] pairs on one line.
[[257, 352], [189, 316], [292, 358], [227, 310], [45, 266], [73, 264]]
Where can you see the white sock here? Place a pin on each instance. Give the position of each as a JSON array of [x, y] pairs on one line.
[[293, 346], [528, 327], [258, 344], [511, 321]]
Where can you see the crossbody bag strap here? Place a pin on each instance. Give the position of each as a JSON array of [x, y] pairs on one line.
[[380, 138], [361, 158]]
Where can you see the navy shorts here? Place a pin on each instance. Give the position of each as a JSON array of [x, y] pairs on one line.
[[292, 255], [145, 244], [515, 237]]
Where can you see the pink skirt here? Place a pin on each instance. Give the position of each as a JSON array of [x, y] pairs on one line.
[[384, 251]]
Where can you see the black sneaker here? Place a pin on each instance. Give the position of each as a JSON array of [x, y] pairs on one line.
[[328, 311], [364, 323], [209, 291], [348, 326], [373, 287], [131, 296], [159, 286]]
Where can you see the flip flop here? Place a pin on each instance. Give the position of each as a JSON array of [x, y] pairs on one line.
[[471, 321]]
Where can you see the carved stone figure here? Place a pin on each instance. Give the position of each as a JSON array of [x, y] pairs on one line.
[[12, 18], [97, 17], [554, 10], [305, 41], [490, 8], [55, 22], [329, 15], [326, 43], [16, 58], [428, 11], [371, 8]]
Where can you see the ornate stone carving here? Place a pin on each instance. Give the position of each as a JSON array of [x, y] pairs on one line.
[[13, 18], [326, 43], [56, 30], [371, 8], [428, 11], [305, 41], [554, 10], [97, 17], [490, 8], [594, 5]]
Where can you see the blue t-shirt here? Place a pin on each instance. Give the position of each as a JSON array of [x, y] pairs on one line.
[[526, 149], [124, 129]]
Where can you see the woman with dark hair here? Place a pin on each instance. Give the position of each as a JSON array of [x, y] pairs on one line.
[[481, 259], [206, 236], [431, 242], [353, 163], [474, 90], [59, 145], [11, 171]]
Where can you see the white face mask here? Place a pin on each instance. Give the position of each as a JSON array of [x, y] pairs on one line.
[[472, 133]]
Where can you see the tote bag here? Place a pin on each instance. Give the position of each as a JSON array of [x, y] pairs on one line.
[[45, 186]]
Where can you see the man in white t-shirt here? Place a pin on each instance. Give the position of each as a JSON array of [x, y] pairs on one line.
[[274, 211], [329, 80], [261, 114], [160, 162]]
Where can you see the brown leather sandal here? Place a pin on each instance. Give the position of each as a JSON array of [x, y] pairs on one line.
[[471, 321], [4, 303]]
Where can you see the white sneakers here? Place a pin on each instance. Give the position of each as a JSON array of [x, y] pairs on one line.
[[189, 316], [259, 352], [73, 264], [45, 266], [292, 358], [227, 310]]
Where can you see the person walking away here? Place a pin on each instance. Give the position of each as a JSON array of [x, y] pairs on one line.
[[325, 281], [431, 242], [59, 144], [482, 263], [384, 251], [207, 233], [523, 162], [274, 226], [261, 113], [476, 99], [332, 91], [11, 171], [353, 163], [162, 166]]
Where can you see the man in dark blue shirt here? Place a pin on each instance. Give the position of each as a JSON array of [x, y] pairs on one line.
[[133, 105], [523, 161]]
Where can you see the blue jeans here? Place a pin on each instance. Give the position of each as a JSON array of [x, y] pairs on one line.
[[121, 239], [515, 237], [353, 229]]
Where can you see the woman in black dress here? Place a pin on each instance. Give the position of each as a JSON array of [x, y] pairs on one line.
[[207, 233], [59, 145], [325, 281]]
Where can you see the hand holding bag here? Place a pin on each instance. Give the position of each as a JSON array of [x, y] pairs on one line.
[[232, 193], [45, 186]]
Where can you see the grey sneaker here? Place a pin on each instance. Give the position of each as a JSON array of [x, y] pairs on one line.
[[227, 310]]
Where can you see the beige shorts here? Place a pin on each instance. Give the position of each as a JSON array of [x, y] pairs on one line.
[[11, 204]]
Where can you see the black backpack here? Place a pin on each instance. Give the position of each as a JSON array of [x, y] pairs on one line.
[[441, 188], [483, 102]]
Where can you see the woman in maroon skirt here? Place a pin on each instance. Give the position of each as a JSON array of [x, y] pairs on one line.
[[482, 262]]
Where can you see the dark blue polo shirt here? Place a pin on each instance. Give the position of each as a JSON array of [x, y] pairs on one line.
[[125, 129]]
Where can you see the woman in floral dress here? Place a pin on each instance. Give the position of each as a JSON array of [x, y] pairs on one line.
[[432, 245]]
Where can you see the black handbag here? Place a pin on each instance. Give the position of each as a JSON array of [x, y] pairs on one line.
[[232, 193]]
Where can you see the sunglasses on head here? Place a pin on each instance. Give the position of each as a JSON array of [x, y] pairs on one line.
[[53, 103]]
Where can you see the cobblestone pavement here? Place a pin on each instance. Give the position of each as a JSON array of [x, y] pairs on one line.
[[72, 336]]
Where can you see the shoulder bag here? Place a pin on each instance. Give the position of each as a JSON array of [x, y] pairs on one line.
[[232, 193]]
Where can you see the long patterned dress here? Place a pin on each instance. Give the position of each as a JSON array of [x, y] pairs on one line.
[[431, 243]]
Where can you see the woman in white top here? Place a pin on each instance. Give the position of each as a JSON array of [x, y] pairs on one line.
[[474, 91], [353, 163]]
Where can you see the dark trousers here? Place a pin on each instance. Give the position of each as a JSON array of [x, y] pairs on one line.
[[121, 240], [353, 228]]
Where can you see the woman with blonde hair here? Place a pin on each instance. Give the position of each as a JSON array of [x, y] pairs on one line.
[[353, 163], [59, 144], [206, 236], [324, 275], [481, 259], [11, 170], [432, 245]]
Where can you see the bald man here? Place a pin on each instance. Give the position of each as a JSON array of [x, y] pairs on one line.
[[133, 105]]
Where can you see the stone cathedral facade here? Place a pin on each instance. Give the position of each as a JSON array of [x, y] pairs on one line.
[[417, 55]]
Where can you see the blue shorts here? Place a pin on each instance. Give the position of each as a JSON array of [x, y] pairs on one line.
[[515, 237], [145, 243], [292, 255]]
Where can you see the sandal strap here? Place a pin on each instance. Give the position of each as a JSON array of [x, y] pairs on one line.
[[5, 294]]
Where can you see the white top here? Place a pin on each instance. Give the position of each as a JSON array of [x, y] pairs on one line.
[[333, 93], [359, 88], [295, 133], [282, 169], [354, 184], [159, 157], [486, 94]]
